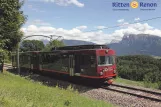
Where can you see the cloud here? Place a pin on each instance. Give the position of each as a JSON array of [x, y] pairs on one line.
[[97, 37], [124, 24], [140, 27], [137, 19], [81, 27], [101, 27], [39, 22], [66, 2], [35, 8], [136, 28], [75, 33], [30, 6], [120, 20]]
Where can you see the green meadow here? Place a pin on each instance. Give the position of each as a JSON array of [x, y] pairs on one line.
[[16, 91]]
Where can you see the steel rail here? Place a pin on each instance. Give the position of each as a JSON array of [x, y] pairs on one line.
[[133, 94], [134, 88]]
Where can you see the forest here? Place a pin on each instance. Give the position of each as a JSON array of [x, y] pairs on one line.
[[140, 68]]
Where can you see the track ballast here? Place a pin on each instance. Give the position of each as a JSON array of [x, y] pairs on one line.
[[141, 93]]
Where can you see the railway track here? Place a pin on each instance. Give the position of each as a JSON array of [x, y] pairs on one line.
[[141, 93]]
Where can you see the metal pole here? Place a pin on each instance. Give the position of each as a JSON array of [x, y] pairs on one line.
[[2, 63], [18, 63]]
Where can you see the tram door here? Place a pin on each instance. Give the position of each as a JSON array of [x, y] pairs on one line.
[[77, 65], [71, 65], [35, 61]]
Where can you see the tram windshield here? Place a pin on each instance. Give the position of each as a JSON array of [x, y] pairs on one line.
[[106, 60]]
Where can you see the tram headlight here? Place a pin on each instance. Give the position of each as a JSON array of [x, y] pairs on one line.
[[106, 51], [101, 73], [114, 71], [105, 69]]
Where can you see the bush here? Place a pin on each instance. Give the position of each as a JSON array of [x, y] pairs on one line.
[[6, 54], [159, 84]]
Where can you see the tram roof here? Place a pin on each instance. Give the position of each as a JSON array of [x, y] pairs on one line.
[[80, 47]]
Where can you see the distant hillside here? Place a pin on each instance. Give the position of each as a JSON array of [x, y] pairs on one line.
[[72, 42], [138, 44], [76, 42], [45, 41]]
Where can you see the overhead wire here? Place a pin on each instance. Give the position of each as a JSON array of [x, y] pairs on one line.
[[125, 24]]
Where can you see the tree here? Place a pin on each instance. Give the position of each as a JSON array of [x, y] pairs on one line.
[[52, 44], [11, 20], [32, 45]]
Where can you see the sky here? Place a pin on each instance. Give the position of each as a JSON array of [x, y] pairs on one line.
[[86, 19]]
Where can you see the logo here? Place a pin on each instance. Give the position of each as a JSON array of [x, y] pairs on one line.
[[134, 4]]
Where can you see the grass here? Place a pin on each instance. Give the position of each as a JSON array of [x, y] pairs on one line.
[[16, 91], [129, 82], [136, 83]]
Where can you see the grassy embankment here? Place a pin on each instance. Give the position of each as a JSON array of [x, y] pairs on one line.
[[136, 83], [129, 82], [16, 91]]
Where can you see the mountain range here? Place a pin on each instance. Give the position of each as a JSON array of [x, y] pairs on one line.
[[138, 44], [130, 44]]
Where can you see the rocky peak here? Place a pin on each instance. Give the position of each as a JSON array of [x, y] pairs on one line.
[[135, 44], [131, 38]]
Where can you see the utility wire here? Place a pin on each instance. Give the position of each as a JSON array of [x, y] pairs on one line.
[[125, 24]]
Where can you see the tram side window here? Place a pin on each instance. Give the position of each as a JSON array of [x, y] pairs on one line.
[[53, 58], [21, 58], [65, 60], [93, 60], [85, 60], [44, 58], [13, 59], [48, 58], [24, 58], [56, 58]]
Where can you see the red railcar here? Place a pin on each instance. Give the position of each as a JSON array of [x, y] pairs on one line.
[[97, 62]]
